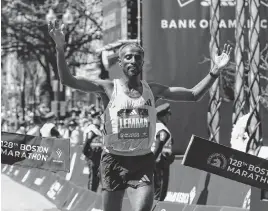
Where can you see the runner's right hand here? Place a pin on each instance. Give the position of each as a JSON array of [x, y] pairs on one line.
[[57, 33]]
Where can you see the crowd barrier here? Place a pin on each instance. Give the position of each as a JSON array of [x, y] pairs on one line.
[[35, 151], [189, 189], [192, 186]]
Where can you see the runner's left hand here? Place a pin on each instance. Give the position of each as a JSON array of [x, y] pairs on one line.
[[222, 60]]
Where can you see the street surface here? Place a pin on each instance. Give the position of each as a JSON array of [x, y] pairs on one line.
[[16, 197]]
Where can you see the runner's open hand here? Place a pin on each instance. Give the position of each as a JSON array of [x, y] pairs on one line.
[[57, 33], [222, 60]]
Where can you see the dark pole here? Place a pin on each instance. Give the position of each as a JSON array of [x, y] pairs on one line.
[[23, 94], [139, 24]]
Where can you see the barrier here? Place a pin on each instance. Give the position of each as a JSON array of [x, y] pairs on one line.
[[192, 186], [73, 199], [49, 179], [232, 209], [189, 208], [3, 167], [169, 206], [78, 176], [19, 174], [60, 192], [9, 170], [41, 178], [35, 151], [259, 199], [86, 201], [16, 173], [227, 162], [189, 189], [29, 177]]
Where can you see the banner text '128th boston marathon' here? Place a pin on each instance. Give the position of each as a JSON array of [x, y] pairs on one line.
[[35, 152], [226, 162], [204, 23]]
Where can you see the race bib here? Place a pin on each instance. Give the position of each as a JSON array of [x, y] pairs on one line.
[[133, 123]]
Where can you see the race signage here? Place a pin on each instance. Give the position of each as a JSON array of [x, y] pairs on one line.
[[226, 162]]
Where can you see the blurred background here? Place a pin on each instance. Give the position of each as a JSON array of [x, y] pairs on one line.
[[179, 38], [29, 70]]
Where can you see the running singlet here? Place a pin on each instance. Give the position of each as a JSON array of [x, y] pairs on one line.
[[129, 123]]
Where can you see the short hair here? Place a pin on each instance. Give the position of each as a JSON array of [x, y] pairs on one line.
[[133, 44]]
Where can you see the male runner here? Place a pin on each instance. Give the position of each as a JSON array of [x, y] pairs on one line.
[[127, 162]]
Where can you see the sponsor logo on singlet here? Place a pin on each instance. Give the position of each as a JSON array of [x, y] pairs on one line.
[[133, 123], [148, 102]]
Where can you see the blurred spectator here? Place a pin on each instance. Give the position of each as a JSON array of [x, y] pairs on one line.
[[49, 129], [74, 114], [22, 128], [4, 125], [39, 121], [162, 148], [36, 126], [92, 150], [73, 133], [240, 138], [42, 110], [62, 128]]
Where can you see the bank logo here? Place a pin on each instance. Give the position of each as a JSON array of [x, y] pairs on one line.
[[217, 160], [183, 3], [224, 3], [59, 152]]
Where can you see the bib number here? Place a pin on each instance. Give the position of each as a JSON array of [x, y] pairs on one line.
[[133, 123]]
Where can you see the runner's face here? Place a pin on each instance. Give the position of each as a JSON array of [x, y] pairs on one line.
[[131, 61]]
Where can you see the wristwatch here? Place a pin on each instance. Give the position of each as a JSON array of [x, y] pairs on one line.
[[213, 75]]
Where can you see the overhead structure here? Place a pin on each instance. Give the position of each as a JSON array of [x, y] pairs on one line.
[[254, 127], [214, 92], [239, 88]]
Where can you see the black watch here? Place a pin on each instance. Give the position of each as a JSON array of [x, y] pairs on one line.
[[213, 75]]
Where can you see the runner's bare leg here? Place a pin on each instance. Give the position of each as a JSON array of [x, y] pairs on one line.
[[112, 200], [141, 199]]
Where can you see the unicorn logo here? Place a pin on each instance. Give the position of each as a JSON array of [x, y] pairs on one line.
[[217, 160]]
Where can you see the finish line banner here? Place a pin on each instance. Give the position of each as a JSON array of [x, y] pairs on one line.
[[226, 162], [51, 154]]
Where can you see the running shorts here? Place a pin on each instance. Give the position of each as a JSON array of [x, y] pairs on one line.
[[119, 172]]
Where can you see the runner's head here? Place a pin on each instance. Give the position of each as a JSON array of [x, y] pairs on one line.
[[131, 59]]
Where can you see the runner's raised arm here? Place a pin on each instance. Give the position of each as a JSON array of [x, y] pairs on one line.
[[66, 78]]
